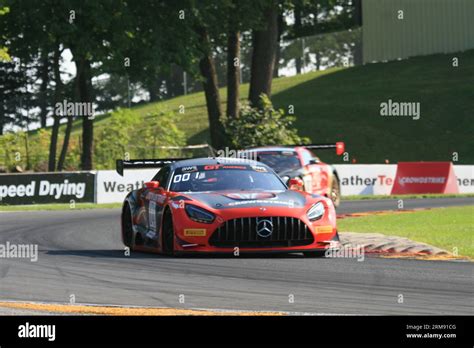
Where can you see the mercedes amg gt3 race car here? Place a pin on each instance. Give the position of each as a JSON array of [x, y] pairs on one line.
[[299, 162], [216, 205]]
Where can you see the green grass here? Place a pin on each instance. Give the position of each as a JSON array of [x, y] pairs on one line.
[[344, 104], [60, 206], [446, 228], [408, 196]]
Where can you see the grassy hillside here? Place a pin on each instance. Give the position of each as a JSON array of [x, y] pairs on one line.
[[344, 104]]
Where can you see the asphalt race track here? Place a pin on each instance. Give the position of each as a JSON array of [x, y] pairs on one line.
[[81, 255]]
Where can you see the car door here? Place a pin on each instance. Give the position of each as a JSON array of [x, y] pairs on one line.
[[154, 201]]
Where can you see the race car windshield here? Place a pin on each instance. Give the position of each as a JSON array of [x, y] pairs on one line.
[[280, 160], [224, 177]]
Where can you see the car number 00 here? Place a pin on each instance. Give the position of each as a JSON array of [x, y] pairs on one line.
[[181, 177]]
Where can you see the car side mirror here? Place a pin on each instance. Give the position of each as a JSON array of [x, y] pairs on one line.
[[152, 184], [314, 161], [296, 184]]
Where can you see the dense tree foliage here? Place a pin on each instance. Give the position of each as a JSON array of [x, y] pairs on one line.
[[261, 126], [123, 48]]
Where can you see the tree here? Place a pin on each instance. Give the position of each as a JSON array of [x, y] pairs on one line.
[[88, 27], [34, 42], [16, 38], [113, 140], [43, 91], [318, 17], [358, 58], [242, 16], [211, 91], [67, 132], [233, 72], [262, 126], [281, 29], [297, 29], [264, 54], [220, 25], [57, 99], [12, 91]]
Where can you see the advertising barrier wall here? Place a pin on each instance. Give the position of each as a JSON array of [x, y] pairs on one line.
[[379, 179], [425, 177], [465, 178], [112, 187], [106, 186], [47, 188], [356, 179], [366, 179]]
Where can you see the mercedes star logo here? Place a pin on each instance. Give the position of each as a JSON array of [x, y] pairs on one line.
[[264, 228]]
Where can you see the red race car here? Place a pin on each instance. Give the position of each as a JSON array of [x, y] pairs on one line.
[[297, 161], [214, 205]]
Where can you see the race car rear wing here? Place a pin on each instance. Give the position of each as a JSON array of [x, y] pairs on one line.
[[339, 146], [160, 162], [121, 165]]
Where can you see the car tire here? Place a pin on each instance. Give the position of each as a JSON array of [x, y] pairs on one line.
[[335, 191], [168, 234], [314, 254], [127, 226]]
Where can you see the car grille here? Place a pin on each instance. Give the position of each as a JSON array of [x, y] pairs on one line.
[[242, 232]]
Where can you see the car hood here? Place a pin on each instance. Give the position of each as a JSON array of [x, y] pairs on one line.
[[248, 199]]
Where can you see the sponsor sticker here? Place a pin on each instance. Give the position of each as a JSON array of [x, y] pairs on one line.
[[289, 204], [259, 169], [222, 166], [195, 232], [189, 169], [152, 215], [324, 229]]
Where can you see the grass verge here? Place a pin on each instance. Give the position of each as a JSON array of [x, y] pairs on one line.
[[447, 228]]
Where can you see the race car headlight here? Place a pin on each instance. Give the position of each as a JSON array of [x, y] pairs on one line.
[[316, 212], [199, 215]]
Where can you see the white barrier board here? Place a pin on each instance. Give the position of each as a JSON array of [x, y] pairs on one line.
[[465, 176], [356, 179], [366, 179], [112, 188]]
